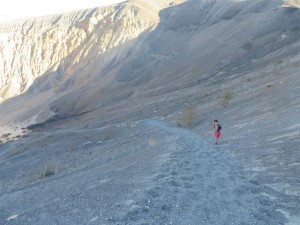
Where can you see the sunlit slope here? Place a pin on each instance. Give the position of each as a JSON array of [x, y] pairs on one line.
[[100, 59], [65, 44]]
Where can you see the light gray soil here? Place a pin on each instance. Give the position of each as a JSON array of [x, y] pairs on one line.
[[148, 172], [113, 152]]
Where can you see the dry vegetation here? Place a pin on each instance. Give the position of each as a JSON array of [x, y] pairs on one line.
[[278, 62], [49, 168], [13, 136], [109, 134], [42, 143], [72, 147], [86, 134], [188, 117], [226, 98]]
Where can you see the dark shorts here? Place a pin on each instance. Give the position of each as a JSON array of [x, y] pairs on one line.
[[217, 134]]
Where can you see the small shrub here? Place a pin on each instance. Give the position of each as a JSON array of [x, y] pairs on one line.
[[5, 135], [72, 147], [86, 134], [49, 168], [226, 98], [263, 75], [109, 134], [205, 94], [44, 141], [278, 62], [188, 117]]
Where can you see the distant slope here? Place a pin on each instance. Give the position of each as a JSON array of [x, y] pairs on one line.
[[85, 61], [57, 44]]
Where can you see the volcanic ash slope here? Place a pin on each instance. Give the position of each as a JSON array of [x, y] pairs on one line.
[[120, 101]]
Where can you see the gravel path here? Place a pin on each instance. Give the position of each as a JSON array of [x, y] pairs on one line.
[[201, 184], [152, 174]]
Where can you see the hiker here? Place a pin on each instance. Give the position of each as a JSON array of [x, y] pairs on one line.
[[217, 129]]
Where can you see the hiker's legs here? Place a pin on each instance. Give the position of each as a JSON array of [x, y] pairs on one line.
[[216, 141], [217, 135]]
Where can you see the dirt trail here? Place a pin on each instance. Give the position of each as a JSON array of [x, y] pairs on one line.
[[201, 184], [153, 173]]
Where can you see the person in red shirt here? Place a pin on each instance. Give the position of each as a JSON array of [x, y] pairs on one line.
[[217, 129]]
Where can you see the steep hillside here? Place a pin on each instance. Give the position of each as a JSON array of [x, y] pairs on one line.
[[55, 44], [93, 87], [62, 52], [130, 49]]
